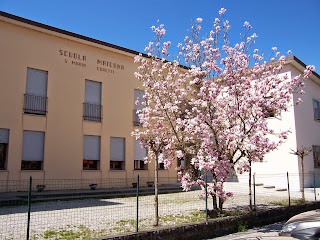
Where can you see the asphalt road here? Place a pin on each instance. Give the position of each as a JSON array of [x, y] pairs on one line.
[[265, 231]]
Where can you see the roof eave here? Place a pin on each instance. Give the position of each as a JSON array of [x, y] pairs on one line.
[[7, 17], [301, 66]]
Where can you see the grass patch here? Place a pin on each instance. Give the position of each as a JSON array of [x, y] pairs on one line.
[[124, 226], [200, 216], [242, 227], [9, 238], [70, 233], [195, 216], [286, 202], [124, 223], [177, 201]]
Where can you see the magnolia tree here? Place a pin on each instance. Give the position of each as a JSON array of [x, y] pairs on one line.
[[301, 153], [212, 113], [165, 104]]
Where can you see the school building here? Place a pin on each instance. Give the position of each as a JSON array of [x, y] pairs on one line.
[[68, 110]]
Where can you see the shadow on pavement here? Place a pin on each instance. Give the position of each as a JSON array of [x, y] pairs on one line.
[[58, 205]]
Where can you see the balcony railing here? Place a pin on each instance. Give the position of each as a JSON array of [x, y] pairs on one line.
[[92, 112], [35, 104], [136, 120]]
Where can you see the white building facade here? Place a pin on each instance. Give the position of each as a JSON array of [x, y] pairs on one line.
[[303, 121]]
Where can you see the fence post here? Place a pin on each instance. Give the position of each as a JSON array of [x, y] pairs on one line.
[[137, 208], [254, 191], [314, 187], [206, 191], [288, 188], [29, 207]]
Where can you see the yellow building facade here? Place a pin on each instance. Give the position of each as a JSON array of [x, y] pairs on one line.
[[67, 107]]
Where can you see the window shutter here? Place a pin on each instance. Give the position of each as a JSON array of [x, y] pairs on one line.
[[33, 146], [318, 112], [316, 108], [136, 164], [139, 152], [91, 148], [93, 92], [316, 155], [4, 135], [182, 163], [36, 82], [117, 149], [138, 98]]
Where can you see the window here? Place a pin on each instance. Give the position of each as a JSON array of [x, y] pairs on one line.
[[161, 166], [316, 156], [115, 165], [139, 154], [32, 150], [316, 109], [4, 140], [92, 108], [140, 165], [269, 113], [181, 162], [35, 98], [185, 160], [117, 153], [138, 100], [91, 152], [268, 110]]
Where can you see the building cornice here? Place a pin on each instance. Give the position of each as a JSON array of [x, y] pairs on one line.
[[7, 17], [301, 66]]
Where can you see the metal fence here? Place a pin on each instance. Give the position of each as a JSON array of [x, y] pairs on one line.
[[35, 104], [78, 184], [76, 211], [92, 112]]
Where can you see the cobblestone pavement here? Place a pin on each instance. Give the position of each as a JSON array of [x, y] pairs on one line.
[[102, 217]]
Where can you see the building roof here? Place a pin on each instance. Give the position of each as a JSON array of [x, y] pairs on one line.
[[301, 66]]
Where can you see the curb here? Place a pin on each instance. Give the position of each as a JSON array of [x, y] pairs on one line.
[[220, 227]]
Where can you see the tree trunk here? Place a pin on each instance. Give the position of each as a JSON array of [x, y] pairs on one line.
[[214, 197], [250, 187], [214, 202], [302, 179], [220, 204], [156, 200]]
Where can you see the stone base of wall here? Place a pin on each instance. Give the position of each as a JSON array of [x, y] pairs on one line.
[[220, 227]]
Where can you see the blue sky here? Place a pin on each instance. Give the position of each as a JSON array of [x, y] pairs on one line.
[[286, 24]]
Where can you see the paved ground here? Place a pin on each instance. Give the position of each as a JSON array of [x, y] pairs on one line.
[[105, 217]]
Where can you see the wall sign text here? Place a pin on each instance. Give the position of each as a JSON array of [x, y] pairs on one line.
[[80, 60]]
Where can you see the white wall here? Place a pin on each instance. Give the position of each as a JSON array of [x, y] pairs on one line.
[[307, 129], [280, 161]]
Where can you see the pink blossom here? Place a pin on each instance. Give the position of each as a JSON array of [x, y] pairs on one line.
[[179, 154], [222, 11], [299, 101], [199, 20], [309, 69], [212, 114]]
